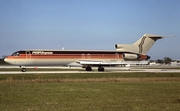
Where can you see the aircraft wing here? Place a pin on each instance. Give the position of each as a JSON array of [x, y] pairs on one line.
[[92, 63], [108, 63]]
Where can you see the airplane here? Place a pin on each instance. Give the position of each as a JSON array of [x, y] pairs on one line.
[[85, 58]]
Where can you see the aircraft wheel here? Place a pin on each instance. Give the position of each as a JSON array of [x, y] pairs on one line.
[[101, 69], [23, 69], [88, 69]]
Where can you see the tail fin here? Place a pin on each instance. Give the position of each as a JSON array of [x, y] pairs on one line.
[[141, 46], [146, 42]]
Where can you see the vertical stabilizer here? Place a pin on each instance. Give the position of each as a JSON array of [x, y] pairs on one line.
[[146, 42], [141, 46]]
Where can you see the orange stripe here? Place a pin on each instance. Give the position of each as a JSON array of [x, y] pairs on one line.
[[72, 56]]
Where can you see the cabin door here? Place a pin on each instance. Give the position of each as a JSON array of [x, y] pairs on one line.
[[88, 56], [116, 56], [28, 55], [83, 56]]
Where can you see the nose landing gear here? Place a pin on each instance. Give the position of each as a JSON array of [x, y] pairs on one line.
[[22, 69]]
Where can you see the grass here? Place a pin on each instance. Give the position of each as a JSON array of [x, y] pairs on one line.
[[90, 92], [87, 76], [90, 96]]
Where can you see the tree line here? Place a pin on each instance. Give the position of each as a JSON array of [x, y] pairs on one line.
[[165, 60]]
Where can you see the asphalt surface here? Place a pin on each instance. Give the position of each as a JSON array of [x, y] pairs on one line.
[[107, 70]]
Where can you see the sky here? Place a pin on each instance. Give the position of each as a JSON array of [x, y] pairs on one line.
[[89, 25]]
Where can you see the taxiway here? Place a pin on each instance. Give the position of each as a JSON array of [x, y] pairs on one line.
[[160, 69]]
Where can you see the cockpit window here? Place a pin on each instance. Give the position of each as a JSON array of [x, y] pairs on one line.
[[15, 54]]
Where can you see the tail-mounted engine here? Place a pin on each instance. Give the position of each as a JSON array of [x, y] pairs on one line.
[[131, 56], [117, 46], [135, 56]]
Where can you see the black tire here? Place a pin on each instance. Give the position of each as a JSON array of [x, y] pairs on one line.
[[23, 69], [88, 69], [101, 69]]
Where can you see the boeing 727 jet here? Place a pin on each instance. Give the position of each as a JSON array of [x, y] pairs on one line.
[[85, 58]]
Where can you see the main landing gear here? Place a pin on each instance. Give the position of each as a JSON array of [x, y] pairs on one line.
[[100, 68], [88, 68]]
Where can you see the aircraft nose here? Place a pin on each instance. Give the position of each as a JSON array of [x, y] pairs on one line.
[[5, 59]]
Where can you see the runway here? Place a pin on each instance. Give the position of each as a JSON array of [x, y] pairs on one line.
[[150, 69], [107, 71]]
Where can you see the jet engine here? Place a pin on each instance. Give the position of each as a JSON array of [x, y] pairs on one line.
[[117, 46], [130, 56]]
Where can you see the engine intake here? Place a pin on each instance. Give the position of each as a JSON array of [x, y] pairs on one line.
[[116, 46]]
